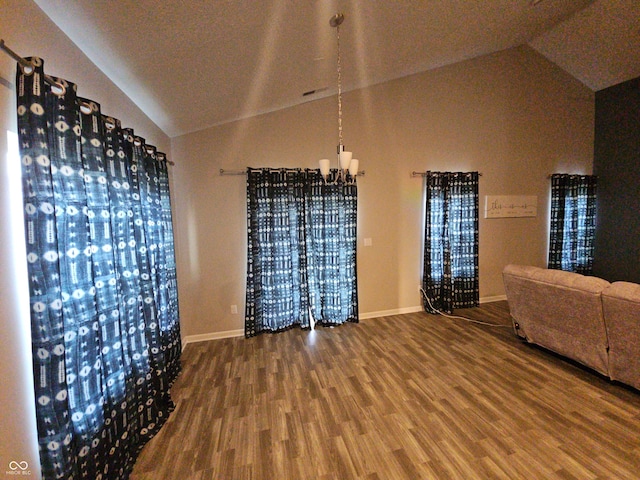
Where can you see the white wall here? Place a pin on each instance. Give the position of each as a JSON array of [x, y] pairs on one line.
[[513, 115], [26, 29]]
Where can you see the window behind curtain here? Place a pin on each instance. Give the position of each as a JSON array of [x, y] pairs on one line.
[[450, 270], [573, 222]]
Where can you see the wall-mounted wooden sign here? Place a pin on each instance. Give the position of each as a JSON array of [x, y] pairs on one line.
[[502, 206]]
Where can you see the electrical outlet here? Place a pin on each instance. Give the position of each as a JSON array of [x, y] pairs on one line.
[[234, 309]]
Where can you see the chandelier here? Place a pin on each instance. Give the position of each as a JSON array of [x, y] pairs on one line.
[[346, 162]]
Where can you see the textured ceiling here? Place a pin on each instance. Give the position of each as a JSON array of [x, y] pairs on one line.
[[599, 45], [193, 64]]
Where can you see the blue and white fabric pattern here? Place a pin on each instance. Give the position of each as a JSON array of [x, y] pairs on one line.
[[102, 279], [450, 269], [573, 222], [301, 258]]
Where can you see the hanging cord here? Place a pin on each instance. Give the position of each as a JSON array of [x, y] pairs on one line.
[[424, 294]]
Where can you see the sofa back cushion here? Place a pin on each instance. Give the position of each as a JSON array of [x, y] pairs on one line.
[[559, 310], [621, 303]]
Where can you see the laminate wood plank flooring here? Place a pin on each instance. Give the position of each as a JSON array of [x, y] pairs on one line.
[[413, 396]]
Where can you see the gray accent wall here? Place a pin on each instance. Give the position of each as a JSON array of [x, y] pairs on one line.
[[617, 165]]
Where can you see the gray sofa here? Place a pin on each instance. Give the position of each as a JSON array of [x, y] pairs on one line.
[[587, 319]]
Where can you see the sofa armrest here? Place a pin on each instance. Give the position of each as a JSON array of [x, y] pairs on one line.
[[621, 304]]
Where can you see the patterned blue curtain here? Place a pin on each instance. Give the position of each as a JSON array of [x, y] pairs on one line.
[[573, 222], [331, 218], [104, 309], [301, 250], [450, 270]]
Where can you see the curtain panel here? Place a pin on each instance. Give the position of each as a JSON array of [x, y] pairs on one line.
[[573, 222], [301, 250], [102, 281], [450, 259]]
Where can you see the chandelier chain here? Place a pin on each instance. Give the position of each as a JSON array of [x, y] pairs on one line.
[[347, 165], [339, 89]]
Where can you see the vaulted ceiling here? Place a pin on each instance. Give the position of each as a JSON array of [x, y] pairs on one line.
[[193, 64]]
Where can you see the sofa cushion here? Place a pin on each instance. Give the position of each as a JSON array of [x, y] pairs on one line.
[[621, 303]]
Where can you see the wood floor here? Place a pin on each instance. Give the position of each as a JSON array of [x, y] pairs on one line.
[[409, 396]]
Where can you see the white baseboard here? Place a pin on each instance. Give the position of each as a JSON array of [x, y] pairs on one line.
[[400, 311], [388, 313], [205, 337]]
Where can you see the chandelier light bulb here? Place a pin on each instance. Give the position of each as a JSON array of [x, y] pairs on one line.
[[345, 159], [353, 167], [325, 167]]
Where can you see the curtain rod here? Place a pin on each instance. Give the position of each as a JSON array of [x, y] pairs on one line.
[[424, 174], [14, 55], [24, 62], [224, 172]]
